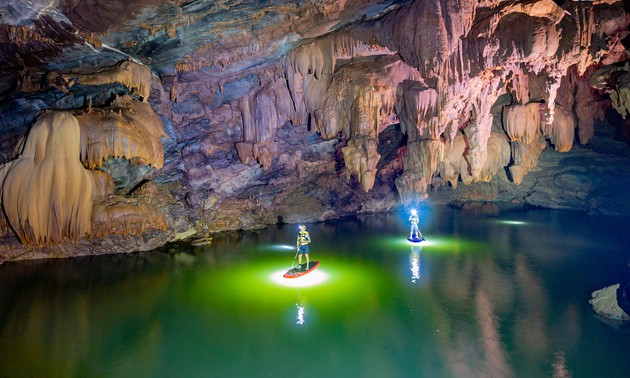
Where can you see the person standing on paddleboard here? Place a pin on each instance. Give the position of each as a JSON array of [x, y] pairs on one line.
[[303, 239], [414, 219]]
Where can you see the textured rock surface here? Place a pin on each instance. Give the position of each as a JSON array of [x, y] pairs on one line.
[[246, 113], [604, 302]]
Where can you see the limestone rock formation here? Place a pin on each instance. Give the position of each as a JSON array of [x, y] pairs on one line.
[[47, 194], [127, 129], [453, 162], [249, 112], [132, 75], [616, 78], [129, 215], [604, 302]]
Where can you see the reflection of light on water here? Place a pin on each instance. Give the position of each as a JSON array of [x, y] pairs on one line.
[[300, 314], [414, 263], [515, 223], [316, 277], [282, 247]]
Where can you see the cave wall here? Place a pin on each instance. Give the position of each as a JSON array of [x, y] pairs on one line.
[[197, 124]]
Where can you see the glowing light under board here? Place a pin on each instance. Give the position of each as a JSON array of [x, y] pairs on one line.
[[316, 277], [424, 243]]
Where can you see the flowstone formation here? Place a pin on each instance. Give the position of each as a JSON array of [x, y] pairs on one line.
[[56, 195], [206, 116], [47, 194]]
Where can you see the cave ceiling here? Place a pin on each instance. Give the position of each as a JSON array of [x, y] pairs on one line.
[[219, 37]]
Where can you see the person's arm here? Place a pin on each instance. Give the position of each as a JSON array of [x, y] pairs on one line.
[[308, 237]]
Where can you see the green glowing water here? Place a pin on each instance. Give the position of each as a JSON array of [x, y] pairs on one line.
[[502, 296]]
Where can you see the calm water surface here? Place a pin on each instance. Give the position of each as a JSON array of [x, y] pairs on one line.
[[485, 296]]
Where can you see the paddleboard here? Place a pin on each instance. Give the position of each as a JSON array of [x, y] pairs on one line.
[[301, 270], [415, 239]]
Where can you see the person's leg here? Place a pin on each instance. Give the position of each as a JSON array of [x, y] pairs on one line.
[[306, 261], [300, 256]]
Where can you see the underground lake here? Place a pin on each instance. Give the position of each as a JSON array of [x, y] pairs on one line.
[[486, 295]]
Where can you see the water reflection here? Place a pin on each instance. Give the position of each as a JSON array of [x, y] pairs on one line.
[[414, 262], [300, 314], [511, 304], [301, 309]]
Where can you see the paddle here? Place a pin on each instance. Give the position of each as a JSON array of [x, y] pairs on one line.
[[296, 254]]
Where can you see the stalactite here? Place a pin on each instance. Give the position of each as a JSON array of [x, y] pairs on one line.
[[431, 153], [478, 131], [587, 111], [134, 76], [620, 95], [361, 157], [498, 156], [295, 84], [418, 112], [421, 161], [127, 129], [47, 194], [4, 225], [563, 130], [520, 86], [525, 157], [522, 122], [103, 185], [316, 58], [267, 109], [449, 167]]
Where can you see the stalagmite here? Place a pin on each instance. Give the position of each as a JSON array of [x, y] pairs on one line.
[[47, 194], [127, 129]]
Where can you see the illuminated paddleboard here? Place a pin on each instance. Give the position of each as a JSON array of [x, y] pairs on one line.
[[415, 239], [301, 270]]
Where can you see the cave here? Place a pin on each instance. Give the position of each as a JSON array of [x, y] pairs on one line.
[[192, 138]]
